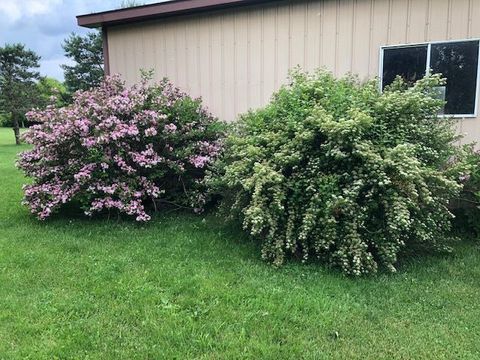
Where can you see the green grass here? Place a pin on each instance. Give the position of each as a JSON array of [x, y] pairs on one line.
[[191, 287]]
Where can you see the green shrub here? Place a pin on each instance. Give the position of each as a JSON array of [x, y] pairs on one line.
[[3, 120], [467, 208], [120, 149], [337, 170]]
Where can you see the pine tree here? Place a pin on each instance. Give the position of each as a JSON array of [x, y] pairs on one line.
[[87, 54]]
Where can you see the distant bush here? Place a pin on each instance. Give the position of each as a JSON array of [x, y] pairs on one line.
[[119, 148], [4, 120], [337, 170], [467, 206]]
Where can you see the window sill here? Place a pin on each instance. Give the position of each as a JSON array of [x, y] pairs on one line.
[[467, 116]]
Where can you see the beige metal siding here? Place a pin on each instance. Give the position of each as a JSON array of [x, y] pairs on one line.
[[235, 59]]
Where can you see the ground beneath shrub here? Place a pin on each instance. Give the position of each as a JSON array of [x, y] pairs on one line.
[[191, 287]]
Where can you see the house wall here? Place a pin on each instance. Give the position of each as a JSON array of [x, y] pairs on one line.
[[235, 59]]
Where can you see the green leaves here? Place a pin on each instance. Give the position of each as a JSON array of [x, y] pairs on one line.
[[87, 54]]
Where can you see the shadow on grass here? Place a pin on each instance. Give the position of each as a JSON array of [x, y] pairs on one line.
[[208, 235], [211, 238]]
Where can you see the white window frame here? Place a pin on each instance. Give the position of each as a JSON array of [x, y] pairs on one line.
[[427, 70]]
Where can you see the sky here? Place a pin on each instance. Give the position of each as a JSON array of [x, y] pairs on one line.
[[42, 25]]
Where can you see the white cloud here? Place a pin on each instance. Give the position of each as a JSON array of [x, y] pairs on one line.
[[38, 7], [15, 9], [11, 9]]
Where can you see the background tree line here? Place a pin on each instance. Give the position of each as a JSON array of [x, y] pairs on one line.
[[22, 87]]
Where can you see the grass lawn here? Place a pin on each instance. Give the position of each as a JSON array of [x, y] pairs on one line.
[[191, 287]]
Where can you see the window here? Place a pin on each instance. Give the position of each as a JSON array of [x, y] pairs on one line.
[[408, 62], [457, 61]]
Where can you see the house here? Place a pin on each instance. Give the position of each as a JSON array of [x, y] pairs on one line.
[[236, 53]]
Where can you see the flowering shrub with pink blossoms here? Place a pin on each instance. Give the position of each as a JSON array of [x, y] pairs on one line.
[[120, 148]]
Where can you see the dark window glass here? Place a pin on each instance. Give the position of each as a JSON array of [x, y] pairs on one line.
[[408, 62], [458, 62]]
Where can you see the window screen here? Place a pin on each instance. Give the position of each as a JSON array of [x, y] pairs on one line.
[[408, 62], [458, 62]]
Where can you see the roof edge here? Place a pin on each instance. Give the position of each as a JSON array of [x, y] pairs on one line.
[[151, 11]]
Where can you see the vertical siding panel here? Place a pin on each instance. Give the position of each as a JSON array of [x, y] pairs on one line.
[[216, 63], [329, 34], [235, 64], [409, 15], [149, 46], [361, 35], [276, 48], [229, 64], [164, 50], [352, 35], [306, 34], [255, 98], [449, 19], [121, 60], [192, 75], [262, 56], [470, 19], [125, 53], [130, 56], [180, 55], [312, 43], [297, 34], [139, 53], [373, 47], [459, 19], [336, 40], [249, 14], [379, 31], [222, 69], [399, 19], [389, 20], [170, 47], [241, 59], [158, 51], [345, 29], [283, 44], [475, 19], [210, 57], [203, 43], [164, 53], [144, 63], [154, 35], [417, 32], [209, 30], [269, 58], [320, 45], [115, 50], [199, 70], [438, 29], [130, 60], [112, 50]]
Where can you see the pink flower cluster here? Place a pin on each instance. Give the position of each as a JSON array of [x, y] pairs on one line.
[[119, 148]]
